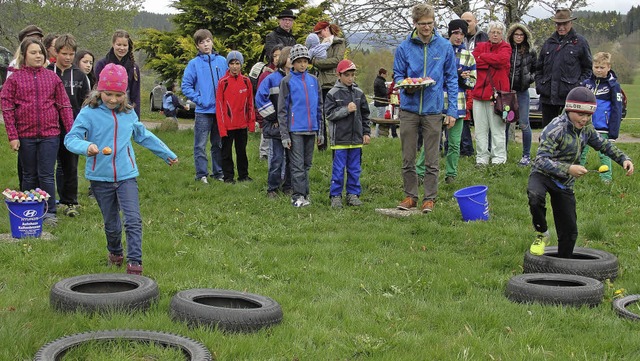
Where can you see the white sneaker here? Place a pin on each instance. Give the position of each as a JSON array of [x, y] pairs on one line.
[[306, 201], [299, 202], [204, 180]]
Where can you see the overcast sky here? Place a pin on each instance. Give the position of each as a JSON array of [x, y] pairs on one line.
[[622, 6]]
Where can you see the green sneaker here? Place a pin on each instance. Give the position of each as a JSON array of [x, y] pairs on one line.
[[541, 241]]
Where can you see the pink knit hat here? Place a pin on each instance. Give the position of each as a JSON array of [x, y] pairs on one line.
[[113, 78]]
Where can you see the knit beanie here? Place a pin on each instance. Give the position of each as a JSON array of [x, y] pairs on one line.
[[299, 51], [235, 55], [113, 78], [458, 24], [580, 100]]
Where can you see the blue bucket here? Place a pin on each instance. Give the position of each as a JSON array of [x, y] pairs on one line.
[[473, 203], [26, 218]]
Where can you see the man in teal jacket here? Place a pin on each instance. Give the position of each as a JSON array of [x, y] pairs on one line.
[[424, 54]]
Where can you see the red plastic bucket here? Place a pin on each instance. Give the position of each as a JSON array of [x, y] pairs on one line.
[[26, 218]]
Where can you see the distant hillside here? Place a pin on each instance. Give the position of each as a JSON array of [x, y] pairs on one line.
[[145, 19]]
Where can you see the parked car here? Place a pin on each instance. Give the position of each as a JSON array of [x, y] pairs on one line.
[[5, 59], [155, 102], [535, 112]]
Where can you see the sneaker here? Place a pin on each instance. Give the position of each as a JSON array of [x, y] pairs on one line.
[[449, 179], [220, 179], [272, 195], [50, 219], [70, 210], [407, 204], [427, 206], [134, 268], [90, 193], [204, 180], [115, 259], [336, 202], [298, 202], [245, 179], [541, 241], [230, 181], [306, 201], [524, 161], [353, 200]]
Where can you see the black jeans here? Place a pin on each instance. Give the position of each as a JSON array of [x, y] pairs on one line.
[[239, 137], [563, 205], [466, 142], [67, 175], [550, 111]]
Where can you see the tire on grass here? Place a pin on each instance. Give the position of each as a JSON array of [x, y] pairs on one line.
[[55, 350], [103, 292], [228, 310], [620, 306], [588, 262], [553, 288]]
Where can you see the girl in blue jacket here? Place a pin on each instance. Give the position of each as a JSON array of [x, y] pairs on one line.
[[103, 131]]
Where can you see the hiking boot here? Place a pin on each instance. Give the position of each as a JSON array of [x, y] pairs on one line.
[[115, 260], [272, 195], [50, 219], [541, 241], [70, 210], [204, 180], [449, 179], [134, 268], [427, 206], [524, 161], [336, 202], [230, 181], [353, 200], [245, 179], [407, 204]]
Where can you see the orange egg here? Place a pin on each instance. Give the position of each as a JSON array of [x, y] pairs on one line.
[[106, 150]]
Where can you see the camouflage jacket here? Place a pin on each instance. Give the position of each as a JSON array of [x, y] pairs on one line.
[[561, 145]]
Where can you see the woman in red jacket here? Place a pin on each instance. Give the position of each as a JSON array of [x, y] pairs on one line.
[[35, 106], [493, 66]]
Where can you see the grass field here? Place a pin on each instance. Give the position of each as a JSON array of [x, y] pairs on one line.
[[353, 284]]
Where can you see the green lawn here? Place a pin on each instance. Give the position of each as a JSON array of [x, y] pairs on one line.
[[353, 284]]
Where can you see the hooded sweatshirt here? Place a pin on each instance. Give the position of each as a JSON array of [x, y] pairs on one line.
[[76, 84], [133, 75]]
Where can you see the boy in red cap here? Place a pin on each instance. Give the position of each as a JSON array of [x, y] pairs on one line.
[[347, 112], [557, 165]]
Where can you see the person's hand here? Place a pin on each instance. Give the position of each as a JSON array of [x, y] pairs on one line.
[[577, 171], [320, 139], [172, 161], [410, 90], [366, 139], [286, 143], [449, 121], [628, 166], [465, 74], [92, 150], [351, 107], [187, 107], [15, 145]]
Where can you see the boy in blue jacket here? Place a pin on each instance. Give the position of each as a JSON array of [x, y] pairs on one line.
[[347, 112], [300, 120], [102, 132], [199, 84], [604, 84]]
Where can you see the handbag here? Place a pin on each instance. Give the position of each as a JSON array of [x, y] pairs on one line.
[[505, 103]]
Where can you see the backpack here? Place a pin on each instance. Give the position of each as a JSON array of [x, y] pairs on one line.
[[254, 74], [167, 102]]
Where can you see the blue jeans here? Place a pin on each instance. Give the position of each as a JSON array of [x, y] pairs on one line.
[[349, 159], [301, 158], [206, 126], [278, 164], [112, 197], [38, 157], [523, 121]]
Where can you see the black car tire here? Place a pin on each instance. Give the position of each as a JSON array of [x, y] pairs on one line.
[[620, 306], [552, 288], [227, 310], [588, 262], [104, 292], [55, 350]]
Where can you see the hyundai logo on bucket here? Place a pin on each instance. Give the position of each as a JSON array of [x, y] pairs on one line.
[[30, 213]]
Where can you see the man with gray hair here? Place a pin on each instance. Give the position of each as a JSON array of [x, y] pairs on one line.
[[564, 61]]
